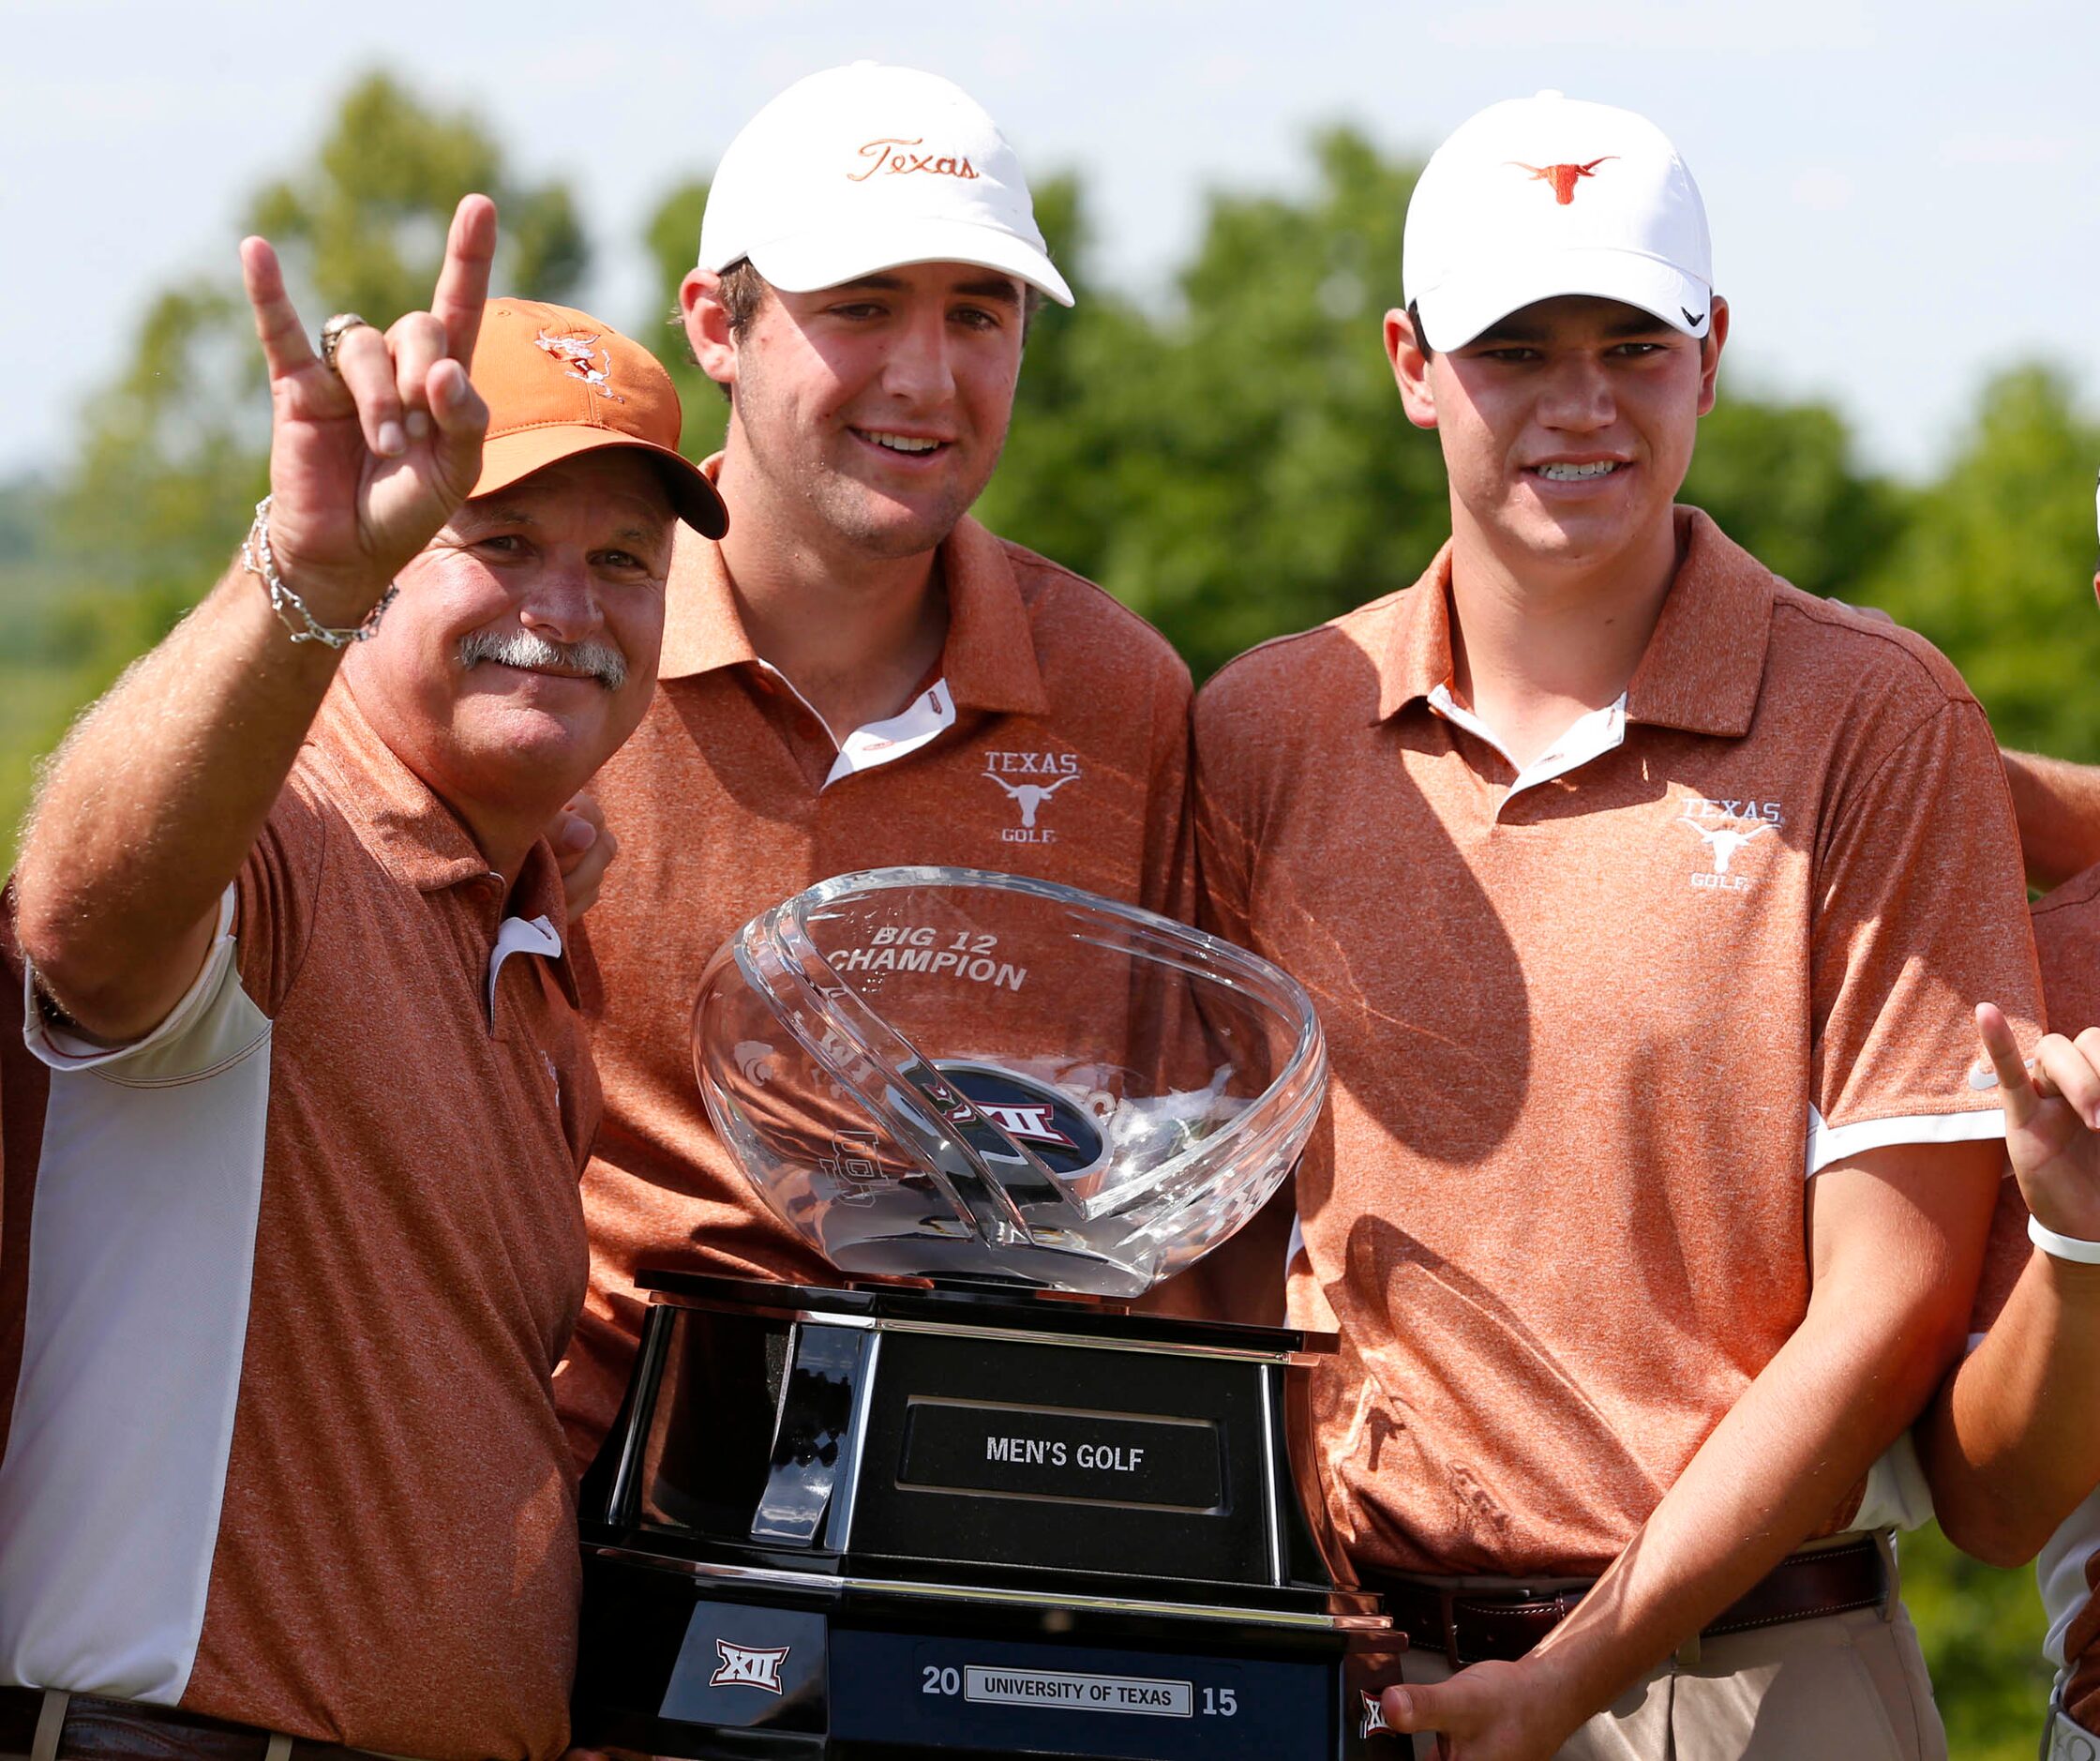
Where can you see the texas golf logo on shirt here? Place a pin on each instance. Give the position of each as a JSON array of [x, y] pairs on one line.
[[1029, 780], [1725, 828]]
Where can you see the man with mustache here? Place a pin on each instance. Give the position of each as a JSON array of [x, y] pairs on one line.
[[857, 674], [1642, 896], [299, 1091]]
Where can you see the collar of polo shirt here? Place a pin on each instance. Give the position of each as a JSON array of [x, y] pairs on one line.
[[1701, 671], [988, 662]]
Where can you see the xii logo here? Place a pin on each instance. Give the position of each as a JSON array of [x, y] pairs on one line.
[[748, 1667], [1374, 1719]]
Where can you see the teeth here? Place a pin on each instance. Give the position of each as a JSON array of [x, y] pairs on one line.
[[901, 443], [1578, 473]]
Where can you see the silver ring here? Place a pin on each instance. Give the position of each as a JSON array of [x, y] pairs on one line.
[[332, 335]]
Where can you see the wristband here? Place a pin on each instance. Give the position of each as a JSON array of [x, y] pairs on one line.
[[2062, 1247]]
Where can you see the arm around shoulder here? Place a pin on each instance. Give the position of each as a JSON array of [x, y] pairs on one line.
[[2058, 805]]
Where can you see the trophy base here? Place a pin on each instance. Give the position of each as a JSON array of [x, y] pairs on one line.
[[879, 1522], [683, 1663]]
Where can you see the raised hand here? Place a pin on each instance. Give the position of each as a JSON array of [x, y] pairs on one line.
[[2052, 1123], [367, 462]]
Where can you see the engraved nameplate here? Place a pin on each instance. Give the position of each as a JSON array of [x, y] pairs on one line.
[[1062, 1453]]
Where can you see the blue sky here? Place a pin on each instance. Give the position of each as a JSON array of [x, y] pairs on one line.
[[1903, 197]]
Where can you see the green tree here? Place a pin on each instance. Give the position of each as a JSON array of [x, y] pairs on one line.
[[176, 452], [1238, 466], [1996, 562], [173, 453], [1982, 1633], [1782, 480], [672, 238]]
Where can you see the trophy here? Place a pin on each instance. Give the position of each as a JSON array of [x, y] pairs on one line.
[[971, 1502]]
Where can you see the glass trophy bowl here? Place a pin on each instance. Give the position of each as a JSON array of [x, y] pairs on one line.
[[956, 1075]]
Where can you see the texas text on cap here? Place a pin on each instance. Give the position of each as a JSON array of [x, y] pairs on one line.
[[558, 383], [1545, 196], [861, 169]]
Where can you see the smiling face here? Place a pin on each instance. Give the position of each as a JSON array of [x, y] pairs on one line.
[[1566, 426], [866, 416], [522, 650]]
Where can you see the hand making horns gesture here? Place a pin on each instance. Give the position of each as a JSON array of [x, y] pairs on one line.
[[2052, 1123], [369, 459]]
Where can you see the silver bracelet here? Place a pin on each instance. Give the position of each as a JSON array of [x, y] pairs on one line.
[[257, 559]]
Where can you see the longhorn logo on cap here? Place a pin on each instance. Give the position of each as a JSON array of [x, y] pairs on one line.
[[582, 358], [1562, 177]]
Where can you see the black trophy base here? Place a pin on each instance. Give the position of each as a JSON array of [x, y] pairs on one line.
[[694, 1666], [874, 1523]]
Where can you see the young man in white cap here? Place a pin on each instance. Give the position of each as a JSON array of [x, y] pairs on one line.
[[1643, 896], [857, 674]]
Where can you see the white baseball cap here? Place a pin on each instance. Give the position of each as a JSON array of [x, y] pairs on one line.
[[865, 167], [1544, 196]]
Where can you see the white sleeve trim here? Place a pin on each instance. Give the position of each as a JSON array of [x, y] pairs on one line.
[[62, 1050], [1834, 1143]]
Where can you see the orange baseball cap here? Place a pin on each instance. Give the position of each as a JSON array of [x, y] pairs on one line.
[[558, 382]]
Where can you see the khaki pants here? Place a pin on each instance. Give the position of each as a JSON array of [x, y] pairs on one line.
[[1845, 1687]]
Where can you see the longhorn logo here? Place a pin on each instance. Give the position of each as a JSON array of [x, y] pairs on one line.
[[746, 1667], [1030, 795], [1724, 840], [580, 357], [1562, 177]]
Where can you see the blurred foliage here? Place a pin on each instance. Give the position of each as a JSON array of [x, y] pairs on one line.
[[1982, 1631], [173, 454], [672, 239], [1234, 466], [1993, 563]]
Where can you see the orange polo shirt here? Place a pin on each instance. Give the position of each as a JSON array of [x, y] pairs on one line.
[[282, 1290], [1054, 743], [1594, 1025]]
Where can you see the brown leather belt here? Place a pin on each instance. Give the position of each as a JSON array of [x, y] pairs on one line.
[[100, 1729], [1470, 1627]]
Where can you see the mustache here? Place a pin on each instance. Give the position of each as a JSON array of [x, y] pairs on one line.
[[521, 648]]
